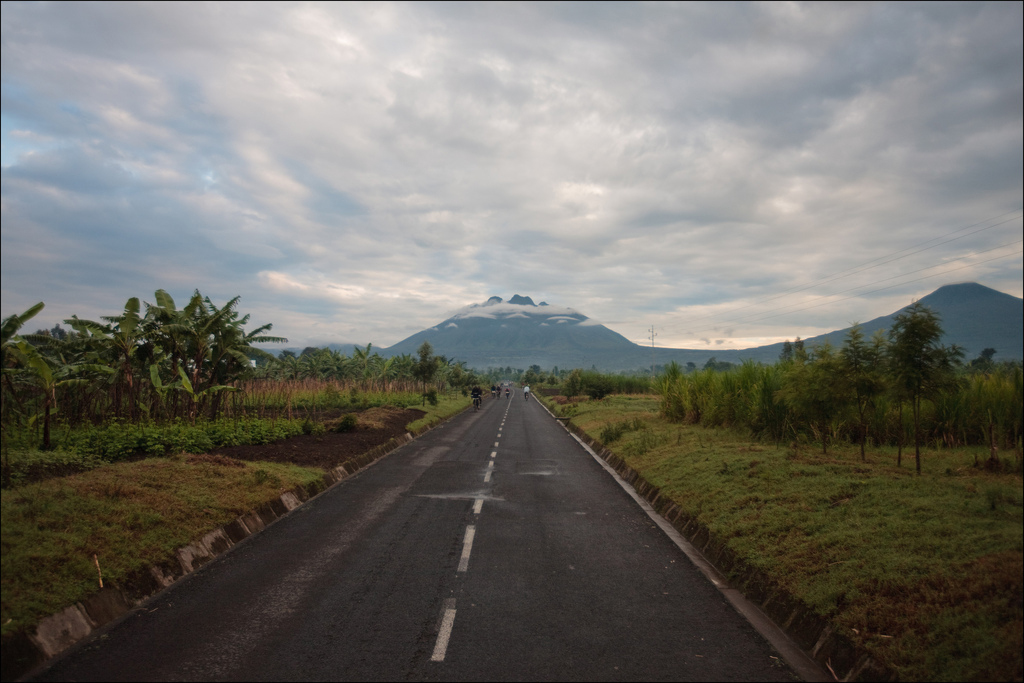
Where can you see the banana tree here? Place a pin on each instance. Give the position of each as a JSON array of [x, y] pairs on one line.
[[9, 337], [198, 396], [50, 374], [123, 334]]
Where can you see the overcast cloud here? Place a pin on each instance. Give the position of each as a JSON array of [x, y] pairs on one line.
[[357, 172]]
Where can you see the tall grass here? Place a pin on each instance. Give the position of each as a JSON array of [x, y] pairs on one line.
[[922, 572], [982, 408]]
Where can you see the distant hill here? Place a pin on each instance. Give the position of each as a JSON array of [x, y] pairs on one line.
[[973, 316], [344, 347], [520, 333]]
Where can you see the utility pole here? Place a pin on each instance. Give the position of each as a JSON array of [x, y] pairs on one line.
[[653, 335]]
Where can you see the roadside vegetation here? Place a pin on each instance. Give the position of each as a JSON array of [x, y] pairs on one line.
[[107, 432], [158, 380], [63, 535], [799, 467], [923, 571]]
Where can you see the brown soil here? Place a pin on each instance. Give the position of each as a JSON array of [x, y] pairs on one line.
[[325, 451]]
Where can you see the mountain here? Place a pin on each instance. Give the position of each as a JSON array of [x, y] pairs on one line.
[[972, 316], [520, 333]]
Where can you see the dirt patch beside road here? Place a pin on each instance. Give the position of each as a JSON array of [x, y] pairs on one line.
[[331, 449]]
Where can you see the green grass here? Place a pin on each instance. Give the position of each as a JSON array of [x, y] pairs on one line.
[[129, 515], [925, 572], [83, 448], [445, 408]]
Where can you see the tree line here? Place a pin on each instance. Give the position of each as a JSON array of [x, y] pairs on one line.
[[897, 388], [157, 362]]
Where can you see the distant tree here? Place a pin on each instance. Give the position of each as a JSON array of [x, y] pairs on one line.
[[717, 365], [787, 351], [425, 367], [861, 362], [919, 365], [816, 390], [984, 359], [691, 366], [596, 385], [573, 385]]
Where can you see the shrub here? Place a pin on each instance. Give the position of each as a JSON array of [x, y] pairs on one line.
[[347, 423]]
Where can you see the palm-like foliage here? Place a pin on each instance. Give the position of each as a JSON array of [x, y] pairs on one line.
[[134, 362]]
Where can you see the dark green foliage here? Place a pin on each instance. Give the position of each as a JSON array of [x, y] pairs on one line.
[[611, 433], [347, 423], [573, 385], [857, 393], [818, 392], [920, 367], [87, 447], [862, 365], [595, 385], [426, 368], [717, 365]]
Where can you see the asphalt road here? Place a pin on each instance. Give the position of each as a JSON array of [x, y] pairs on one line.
[[491, 548]]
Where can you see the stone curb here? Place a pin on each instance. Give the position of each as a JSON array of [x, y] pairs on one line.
[[24, 652], [814, 634]]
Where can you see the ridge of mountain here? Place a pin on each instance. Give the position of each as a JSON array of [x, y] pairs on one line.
[[520, 333]]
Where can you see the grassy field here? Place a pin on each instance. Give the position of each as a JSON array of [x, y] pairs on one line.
[[925, 572], [445, 408], [128, 516]]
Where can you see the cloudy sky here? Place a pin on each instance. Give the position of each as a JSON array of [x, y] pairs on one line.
[[732, 174]]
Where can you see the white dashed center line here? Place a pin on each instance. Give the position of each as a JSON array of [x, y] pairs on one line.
[[447, 621], [478, 505], [467, 548]]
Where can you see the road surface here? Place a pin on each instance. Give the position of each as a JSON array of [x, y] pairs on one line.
[[491, 548]]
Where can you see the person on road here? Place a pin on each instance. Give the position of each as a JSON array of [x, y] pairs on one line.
[[526, 392], [508, 392], [478, 397]]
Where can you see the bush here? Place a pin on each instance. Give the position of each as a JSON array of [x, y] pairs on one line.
[[91, 446], [612, 432], [615, 431], [596, 385], [347, 423]]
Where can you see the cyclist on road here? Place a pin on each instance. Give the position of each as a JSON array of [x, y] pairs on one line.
[[478, 395], [526, 393]]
